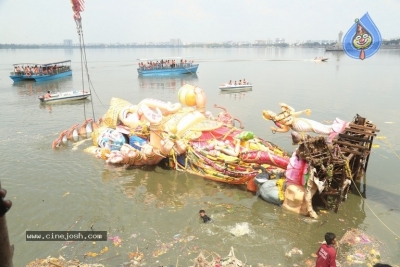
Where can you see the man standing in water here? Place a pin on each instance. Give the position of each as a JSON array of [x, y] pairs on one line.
[[326, 253]]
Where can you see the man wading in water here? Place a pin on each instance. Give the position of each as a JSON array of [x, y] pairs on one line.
[[326, 252]]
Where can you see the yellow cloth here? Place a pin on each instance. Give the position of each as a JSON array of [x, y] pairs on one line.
[[281, 193]]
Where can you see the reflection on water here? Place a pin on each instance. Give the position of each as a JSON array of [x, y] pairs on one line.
[[236, 94], [167, 82], [39, 88], [69, 52], [49, 105], [336, 55]]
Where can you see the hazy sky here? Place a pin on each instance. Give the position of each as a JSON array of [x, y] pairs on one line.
[[127, 21]]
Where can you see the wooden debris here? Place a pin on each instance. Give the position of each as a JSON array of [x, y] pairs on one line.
[[341, 163]]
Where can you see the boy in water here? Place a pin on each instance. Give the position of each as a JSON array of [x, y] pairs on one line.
[[204, 217], [326, 252]]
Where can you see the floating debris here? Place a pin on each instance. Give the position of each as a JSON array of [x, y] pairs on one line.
[[206, 259], [363, 248], [294, 251], [60, 262], [117, 241], [93, 254]]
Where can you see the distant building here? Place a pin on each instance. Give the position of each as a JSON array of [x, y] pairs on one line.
[[67, 42], [176, 42], [338, 45], [270, 42], [279, 40], [261, 42]]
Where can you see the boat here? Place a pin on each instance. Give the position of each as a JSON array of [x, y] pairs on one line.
[[237, 87], [41, 71], [321, 59], [64, 96], [166, 66]]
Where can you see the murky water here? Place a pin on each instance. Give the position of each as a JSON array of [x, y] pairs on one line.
[[154, 210]]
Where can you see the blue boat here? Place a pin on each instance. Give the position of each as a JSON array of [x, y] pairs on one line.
[[43, 71], [166, 66]]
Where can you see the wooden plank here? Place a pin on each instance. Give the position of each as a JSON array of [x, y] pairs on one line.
[[359, 132], [323, 200], [350, 144], [349, 157], [345, 136], [352, 151], [364, 127]]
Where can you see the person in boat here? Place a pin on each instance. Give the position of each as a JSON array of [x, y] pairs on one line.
[[230, 82], [48, 95], [28, 71], [235, 83], [244, 81], [240, 82]]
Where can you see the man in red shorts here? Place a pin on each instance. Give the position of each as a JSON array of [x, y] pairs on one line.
[[326, 253]]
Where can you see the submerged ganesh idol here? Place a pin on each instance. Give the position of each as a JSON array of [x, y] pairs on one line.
[[190, 137], [185, 137]]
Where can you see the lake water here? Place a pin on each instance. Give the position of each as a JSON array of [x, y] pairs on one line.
[[155, 211]]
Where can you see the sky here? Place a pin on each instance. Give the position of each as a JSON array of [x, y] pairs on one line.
[[134, 21]]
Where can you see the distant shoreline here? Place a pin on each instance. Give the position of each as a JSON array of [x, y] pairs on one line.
[[101, 46]]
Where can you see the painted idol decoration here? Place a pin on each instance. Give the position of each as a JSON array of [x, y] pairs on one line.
[[363, 39]]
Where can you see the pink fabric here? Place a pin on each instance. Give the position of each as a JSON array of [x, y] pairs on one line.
[[338, 126], [295, 171]]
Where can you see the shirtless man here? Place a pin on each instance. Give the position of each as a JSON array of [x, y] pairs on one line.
[[48, 95]]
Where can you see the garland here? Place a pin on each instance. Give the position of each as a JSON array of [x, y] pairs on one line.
[[280, 183]]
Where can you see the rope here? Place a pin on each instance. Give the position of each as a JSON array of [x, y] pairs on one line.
[[348, 174], [79, 28], [84, 64], [387, 227], [384, 139]]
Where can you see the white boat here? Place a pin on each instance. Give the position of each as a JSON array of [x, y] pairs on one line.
[[228, 87], [322, 59], [65, 96]]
